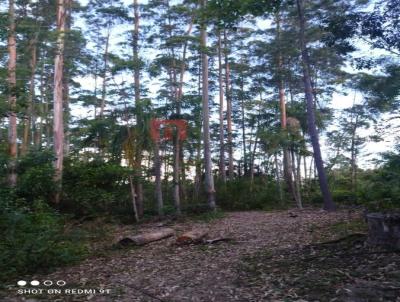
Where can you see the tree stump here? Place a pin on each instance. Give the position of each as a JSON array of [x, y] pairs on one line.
[[384, 229]]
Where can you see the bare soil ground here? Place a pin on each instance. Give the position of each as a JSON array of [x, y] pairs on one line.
[[244, 269]]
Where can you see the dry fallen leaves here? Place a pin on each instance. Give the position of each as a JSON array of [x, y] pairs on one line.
[[163, 271]]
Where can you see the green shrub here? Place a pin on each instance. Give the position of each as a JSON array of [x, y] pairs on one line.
[[208, 216], [344, 196], [35, 176], [242, 194], [380, 188], [33, 238], [93, 188]]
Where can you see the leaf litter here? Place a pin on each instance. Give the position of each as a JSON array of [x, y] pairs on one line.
[[271, 256]]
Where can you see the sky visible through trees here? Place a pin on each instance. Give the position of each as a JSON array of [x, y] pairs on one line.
[[343, 98]]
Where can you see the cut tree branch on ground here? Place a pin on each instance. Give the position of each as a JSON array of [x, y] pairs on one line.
[[193, 236], [212, 241], [146, 238]]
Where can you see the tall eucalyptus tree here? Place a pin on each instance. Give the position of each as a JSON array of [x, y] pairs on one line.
[[209, 179], [58, 122]]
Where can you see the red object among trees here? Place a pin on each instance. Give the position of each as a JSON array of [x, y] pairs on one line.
[[157, 125]]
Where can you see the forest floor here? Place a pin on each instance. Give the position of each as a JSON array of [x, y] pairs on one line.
[[273, 256]]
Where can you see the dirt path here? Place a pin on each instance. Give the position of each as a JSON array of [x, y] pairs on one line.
[[162, 271]]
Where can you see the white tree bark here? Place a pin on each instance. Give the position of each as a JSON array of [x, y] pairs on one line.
[[58, 124], [221, 113], [209, 180], [12, 98]]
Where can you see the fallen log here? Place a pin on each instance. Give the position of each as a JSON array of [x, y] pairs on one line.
[[146, 238], [193, 236]]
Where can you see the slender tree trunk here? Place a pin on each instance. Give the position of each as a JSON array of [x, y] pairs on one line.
[[253, 148], [183, 63], [58, 124], [176, 192], [197, 178], [12, 98], [243, 126], [139, 122], [296, 177], [278, 178], [43, 109], [157, 163], [353, 152], [311, 168], [298, 182], [179, 98], [67, 113], [133, 197], [44, 88], [166, 163], [198, 170], [37, 126], [176, 154], [37, 111], [353, 171], [287, 165], [228, 109], [222, 173], [306, 178], [175, 96], [104, 76], [100, 143], [66, 78], [329, 205], [252, 159], [26, 141], [96, 72], [209, 179]]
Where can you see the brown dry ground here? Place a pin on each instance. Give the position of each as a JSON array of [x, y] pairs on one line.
[[163, 271]]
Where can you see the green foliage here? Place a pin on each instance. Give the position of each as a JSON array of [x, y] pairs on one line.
[[96, 187], [382, 91], [32, 238], [35, 176], [381, 188], [344, 196], [228, 12], [346, 228], [3, 164], [209, 216], [242, 194]]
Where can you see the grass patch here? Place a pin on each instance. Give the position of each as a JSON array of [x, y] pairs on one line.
[[348, 227], [338, 230], [209, 216]]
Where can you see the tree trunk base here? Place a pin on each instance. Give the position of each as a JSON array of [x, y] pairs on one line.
[[384, 229]]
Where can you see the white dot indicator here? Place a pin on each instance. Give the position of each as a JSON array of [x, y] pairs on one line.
[[35, 283], [21, 283]]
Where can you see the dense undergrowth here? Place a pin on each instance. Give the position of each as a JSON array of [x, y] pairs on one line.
[[33, 228]]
